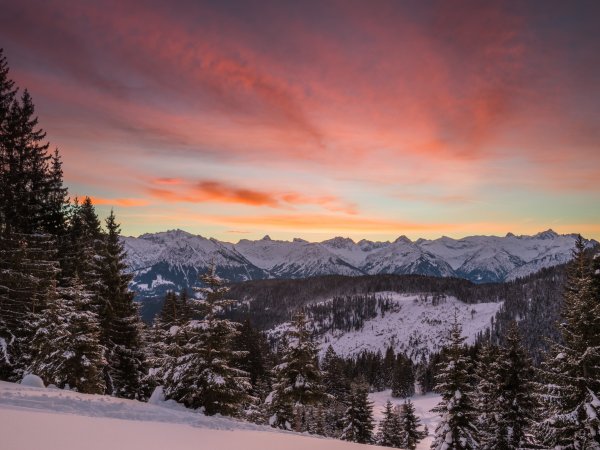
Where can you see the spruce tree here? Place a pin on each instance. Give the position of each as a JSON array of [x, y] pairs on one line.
[[510, 403], [29, 184], [571, 374], [456, 430], [119, 319], [358, 418], [486, 397], [410, 435], [298, 377], [200, 372], [335, 382], [403, 379], [389, 363], [389, 431], [66, 346], [27, 276], [254, 346]]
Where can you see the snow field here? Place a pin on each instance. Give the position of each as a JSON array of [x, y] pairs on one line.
[[416, 328], [52, 419]]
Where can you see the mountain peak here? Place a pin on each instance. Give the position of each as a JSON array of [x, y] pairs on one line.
[[266, 238], [548, 234], [339, 242], [403, 239], [176, 234]]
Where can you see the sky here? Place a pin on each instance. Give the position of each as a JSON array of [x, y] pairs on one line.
[[366, 119]]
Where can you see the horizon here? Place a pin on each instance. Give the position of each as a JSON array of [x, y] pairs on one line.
[[320, 119], [268, 237]]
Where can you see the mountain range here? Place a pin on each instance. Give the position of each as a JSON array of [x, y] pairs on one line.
[[172, 260]]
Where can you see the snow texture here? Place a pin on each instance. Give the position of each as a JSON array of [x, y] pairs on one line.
[[63, 420], [32, 380], [417, 326]]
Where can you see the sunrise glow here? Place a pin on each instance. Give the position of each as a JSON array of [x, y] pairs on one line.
[[317, 119]]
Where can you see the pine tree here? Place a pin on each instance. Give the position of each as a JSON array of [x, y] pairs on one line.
[[410, 435], [486, 397], [255, 353], [81, 246], [403, 379], [200, 373], [508, 409], [456, 430], [389, 431], [119, 319], [571, 374], [389, 363], [298, 378], [336, 384], [28, 262], [27, 276], [66, 345], [358, 418]]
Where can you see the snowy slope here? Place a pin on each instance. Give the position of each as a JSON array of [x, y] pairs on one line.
[[178, 257], [416, 326], [405, 257], [296, 259], [51, 419]]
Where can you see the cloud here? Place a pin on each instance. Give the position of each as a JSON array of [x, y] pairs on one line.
[[126, 202], [325, 223], [212, 191], [356, 100]]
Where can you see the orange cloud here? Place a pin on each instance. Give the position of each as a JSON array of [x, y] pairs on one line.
[[168, 181], [324, 223], [219, 192], [127, 202]]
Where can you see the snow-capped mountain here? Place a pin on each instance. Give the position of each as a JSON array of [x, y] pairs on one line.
[[172, 260]]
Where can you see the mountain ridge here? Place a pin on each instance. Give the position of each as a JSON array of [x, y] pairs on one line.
[[172, 260]]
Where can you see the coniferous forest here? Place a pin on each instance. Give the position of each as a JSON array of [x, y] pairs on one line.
[[68, 316]]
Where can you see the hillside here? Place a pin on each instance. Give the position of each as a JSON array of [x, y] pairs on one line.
[[415, 325]]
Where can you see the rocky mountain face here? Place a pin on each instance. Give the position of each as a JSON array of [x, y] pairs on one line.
[[172, 260]]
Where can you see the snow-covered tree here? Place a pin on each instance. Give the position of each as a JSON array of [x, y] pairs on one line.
[[358, 418], [200, 372], [298, 377], [571, 374], [505, 395], [66, 346], [120, 320], [410, 435], [389, 431], [30, 186], [456, 430]]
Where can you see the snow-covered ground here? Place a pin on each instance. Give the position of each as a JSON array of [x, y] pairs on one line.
[[423, 405], [51, 419], [417, 327]]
